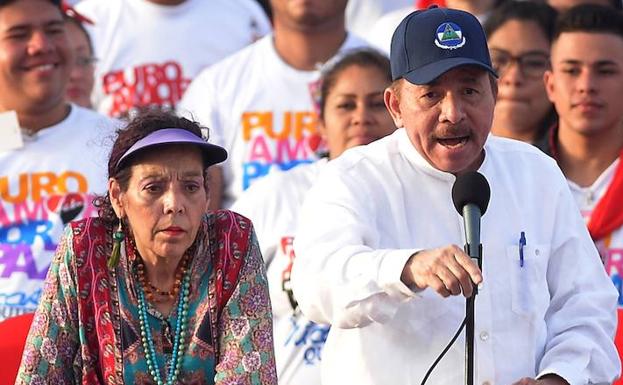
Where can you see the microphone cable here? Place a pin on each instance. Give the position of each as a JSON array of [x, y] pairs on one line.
[[445, 350]]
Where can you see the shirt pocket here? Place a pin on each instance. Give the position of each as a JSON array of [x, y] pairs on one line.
[[528, 279]]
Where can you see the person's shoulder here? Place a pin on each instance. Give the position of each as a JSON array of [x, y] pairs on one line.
[[87, 230], [246, 13], [520, 153], [380, 33], [86, 225], [299, 174], [99, 11], [353, 42], [232, 66], [241, 6], [86, 114], [87, 123], [219, 84], [378, 152], [508, 146], [227, 221], [281, 185]]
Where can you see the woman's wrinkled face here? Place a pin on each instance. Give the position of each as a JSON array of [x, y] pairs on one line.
[[165, 200], [354, 113]]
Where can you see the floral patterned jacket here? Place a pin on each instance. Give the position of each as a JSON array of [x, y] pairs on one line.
[[86, 329]]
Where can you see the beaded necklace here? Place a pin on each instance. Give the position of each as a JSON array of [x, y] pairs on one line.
[[153, 293], [178, 341]]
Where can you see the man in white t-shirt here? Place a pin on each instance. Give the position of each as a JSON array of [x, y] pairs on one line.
[[376, 247], [585, 84], [361, 14], [258, 103], [52, 166], [149, 51], [380, 33]]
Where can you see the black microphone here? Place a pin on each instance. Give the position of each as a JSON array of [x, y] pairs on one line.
[[470, 195]]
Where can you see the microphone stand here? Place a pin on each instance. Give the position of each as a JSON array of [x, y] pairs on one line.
[[469, 320]]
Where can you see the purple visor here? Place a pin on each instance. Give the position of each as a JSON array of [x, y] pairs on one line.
[[212, 153]]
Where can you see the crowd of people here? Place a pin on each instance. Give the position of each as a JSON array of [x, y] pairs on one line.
[[260, 192]]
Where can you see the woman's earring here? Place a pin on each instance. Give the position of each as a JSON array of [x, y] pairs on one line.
[[117, 238]]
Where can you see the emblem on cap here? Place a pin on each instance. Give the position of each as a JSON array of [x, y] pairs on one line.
[[449, 36]]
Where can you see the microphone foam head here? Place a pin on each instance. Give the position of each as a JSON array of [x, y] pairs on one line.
[[471, 187]]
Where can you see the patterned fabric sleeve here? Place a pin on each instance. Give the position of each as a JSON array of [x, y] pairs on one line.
[[246, 330], [51, 349]]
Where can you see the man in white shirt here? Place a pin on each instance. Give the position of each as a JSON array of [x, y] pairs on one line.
[[585, 83], [376, 246], [259, 103], [148, 51], [50, 176]]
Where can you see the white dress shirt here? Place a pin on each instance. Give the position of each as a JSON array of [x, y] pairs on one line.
[[373, 207]]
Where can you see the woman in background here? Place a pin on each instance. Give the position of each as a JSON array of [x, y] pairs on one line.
[[82, 76], [352, 113], [519, 34]]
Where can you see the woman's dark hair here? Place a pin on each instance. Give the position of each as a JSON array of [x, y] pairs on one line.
[[523, 10], [591, 18], [80, 26], [144, 123], [365, 57], [538, 12]]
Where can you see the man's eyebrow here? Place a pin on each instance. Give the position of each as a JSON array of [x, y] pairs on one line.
[[192, 173], [605, 62], [27, 26], [571, 61], [598, 63], [470, 79]]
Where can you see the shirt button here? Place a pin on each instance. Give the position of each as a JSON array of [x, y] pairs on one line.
[[484, 336]]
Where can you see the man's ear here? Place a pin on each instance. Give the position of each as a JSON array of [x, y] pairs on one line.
[[494, 87], [392, 102], [115, 194], [548, 80]]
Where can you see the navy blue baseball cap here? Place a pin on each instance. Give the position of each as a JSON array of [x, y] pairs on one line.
[[427, 43]]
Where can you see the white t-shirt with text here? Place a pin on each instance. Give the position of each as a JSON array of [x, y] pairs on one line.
[[149, 53], [261, 110], [44, 185]]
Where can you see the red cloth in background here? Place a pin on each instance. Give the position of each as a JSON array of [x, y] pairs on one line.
[[13, 333], [607, 215], [618, 340], [423, 4]]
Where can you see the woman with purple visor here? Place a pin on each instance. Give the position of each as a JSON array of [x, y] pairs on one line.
[[154, 290]]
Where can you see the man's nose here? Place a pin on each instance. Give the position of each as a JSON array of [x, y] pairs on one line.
[[586, 83], [40, 42], [452, 109]]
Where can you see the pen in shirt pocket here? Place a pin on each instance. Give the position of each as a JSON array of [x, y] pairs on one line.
[[522, 243]]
